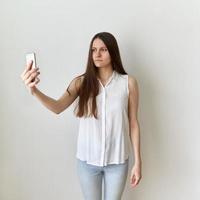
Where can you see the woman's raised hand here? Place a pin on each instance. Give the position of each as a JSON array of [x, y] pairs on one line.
[[30, 76]]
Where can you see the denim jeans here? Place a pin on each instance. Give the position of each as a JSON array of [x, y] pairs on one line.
[[91, 176]]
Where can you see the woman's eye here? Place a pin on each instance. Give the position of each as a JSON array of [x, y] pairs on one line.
[[100, 50]]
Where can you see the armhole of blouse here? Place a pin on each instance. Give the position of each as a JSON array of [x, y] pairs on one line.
[[127, 85]]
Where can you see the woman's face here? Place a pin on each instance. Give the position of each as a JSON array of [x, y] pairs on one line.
[[100, 54]]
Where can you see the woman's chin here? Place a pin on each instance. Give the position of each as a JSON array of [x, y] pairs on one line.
[[99, 66]]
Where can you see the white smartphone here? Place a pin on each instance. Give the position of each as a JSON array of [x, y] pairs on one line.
[[29, 57]]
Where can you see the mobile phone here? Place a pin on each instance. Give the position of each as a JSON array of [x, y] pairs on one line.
[[29, 57]]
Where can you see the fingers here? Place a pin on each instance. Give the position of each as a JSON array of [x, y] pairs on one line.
[[32, 76], [34, 83], [27, 68], [29, 73], [134, 180]]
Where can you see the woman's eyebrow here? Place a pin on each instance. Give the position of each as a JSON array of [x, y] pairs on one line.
[[99, 47]]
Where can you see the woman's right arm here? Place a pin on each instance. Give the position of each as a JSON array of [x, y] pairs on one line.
[[30, 78]]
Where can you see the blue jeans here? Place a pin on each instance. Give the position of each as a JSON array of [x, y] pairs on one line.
[[90, 177]]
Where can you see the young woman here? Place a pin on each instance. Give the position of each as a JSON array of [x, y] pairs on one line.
[[107, 107]]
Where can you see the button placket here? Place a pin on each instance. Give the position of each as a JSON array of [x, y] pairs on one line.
[[103, 145]]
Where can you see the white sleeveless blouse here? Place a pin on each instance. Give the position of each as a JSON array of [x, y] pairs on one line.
[[106, 140]]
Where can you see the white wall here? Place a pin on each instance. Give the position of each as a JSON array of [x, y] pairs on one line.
[[160, 45]]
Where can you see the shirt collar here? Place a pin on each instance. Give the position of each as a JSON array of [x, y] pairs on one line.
[[109, 80]]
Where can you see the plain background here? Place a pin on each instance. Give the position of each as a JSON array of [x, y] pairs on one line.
[[159, 44]]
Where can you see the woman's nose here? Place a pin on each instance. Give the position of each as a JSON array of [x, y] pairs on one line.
[[98, 53]]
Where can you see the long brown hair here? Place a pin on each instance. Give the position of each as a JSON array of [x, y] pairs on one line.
[[89, 88]]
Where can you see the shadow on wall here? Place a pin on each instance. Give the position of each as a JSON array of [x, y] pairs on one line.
[[150, 130]]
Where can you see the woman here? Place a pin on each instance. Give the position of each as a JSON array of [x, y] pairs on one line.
[[107, 107]]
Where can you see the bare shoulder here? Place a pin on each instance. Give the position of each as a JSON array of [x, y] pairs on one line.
[[78, 80], [75, 84], [132, 83]]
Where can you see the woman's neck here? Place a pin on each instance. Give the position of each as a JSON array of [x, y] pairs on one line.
[[105, 73]]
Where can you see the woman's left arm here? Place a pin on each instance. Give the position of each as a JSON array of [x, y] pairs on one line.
[[134, 128]]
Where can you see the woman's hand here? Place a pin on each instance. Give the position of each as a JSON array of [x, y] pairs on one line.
[[30, 76], [136, 175]]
